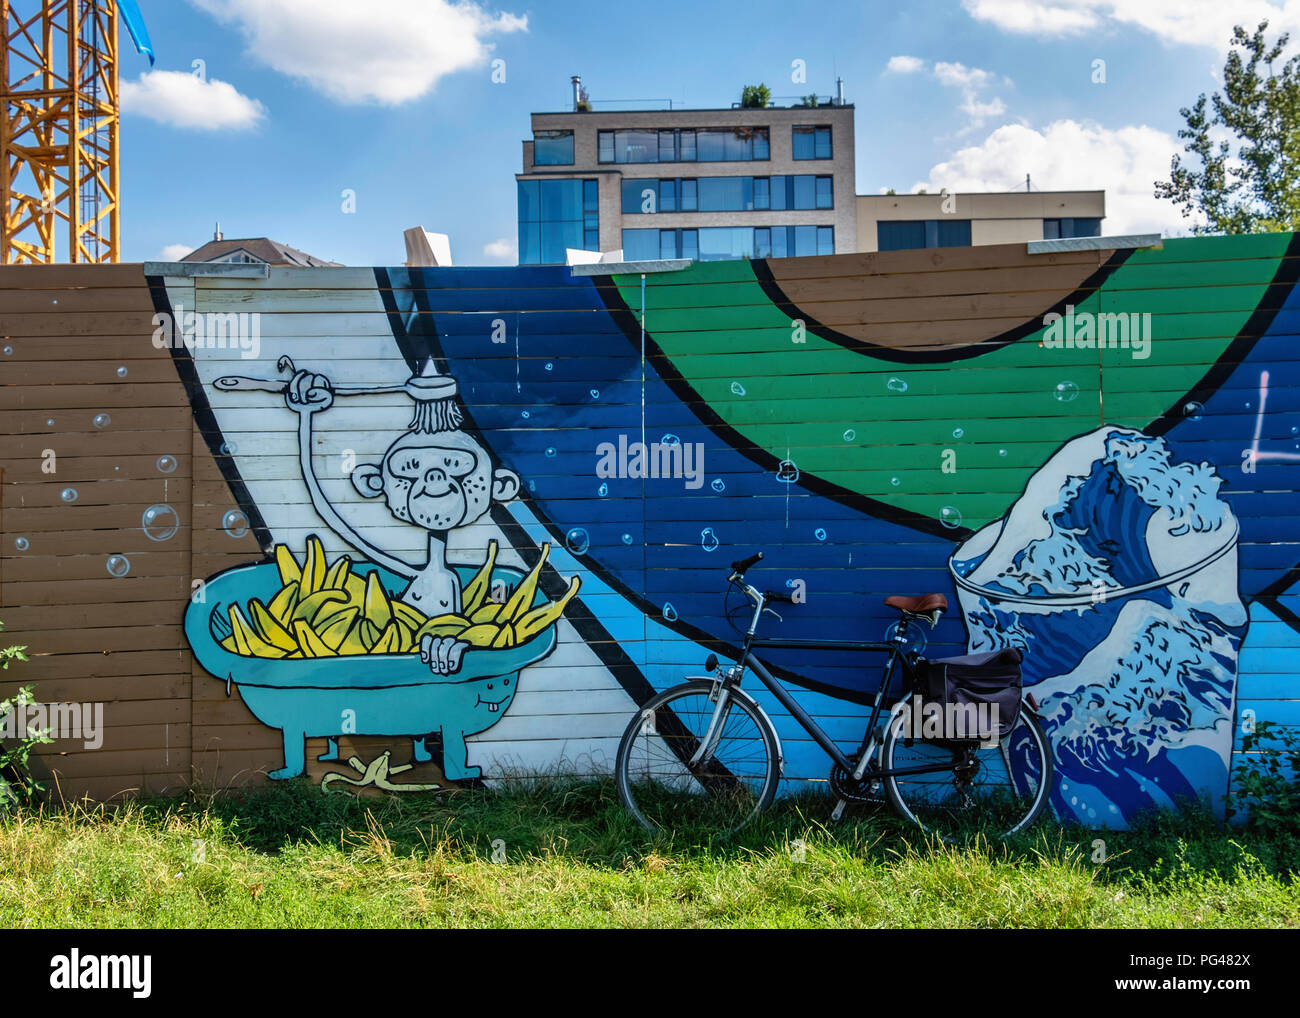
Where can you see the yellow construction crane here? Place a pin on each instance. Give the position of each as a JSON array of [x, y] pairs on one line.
[[60, 179]]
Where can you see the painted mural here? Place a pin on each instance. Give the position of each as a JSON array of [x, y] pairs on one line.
[[491, 528]]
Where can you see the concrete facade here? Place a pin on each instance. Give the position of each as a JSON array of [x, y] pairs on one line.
[[996, 217], [779, 122]]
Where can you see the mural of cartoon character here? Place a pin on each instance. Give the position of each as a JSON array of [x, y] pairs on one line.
[[295, 674]]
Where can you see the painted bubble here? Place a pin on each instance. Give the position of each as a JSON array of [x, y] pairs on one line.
[[166, 464], [50, 423], [69, 494], [820, 534], [21, 543], [958, 432], [9, 351], [228, 449], [670, 439], [670, 613], [896, 384], [532, 485], [549, 366], [627, 538], [718, 485], [595, 394], [1193, 411], [850, 435], [525, 414], [118, 566], [550, 451], [895, 482], [787, 472], [737, 389], [160, 522], [235, 523], [708, 539], [1002, 452], [950, 517], [603, 490], [101, 420], [1065, 392], [577, 541], [121, 371]]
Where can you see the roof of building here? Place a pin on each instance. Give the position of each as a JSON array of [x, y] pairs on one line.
[[262, 248]]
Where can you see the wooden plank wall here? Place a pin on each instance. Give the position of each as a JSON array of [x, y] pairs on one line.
[[867, 403]]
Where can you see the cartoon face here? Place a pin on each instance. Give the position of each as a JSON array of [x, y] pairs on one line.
[[438, 481]]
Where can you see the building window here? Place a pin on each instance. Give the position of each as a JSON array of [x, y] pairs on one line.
[[552, 148], [238, 258], [722, 243], [905, 234], [1056, 229], [555, 215], [811, 142], [727, 194], [722, 144]]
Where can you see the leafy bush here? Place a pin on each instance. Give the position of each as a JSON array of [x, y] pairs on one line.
[[1267, 786], [755, 96], [17, 786]]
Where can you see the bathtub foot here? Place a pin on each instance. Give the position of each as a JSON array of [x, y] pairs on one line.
[[454, 756], [331, 754], [295, 756], [418, 753]]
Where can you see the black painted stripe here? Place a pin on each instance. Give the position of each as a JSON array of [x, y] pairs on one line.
[[206, 419]]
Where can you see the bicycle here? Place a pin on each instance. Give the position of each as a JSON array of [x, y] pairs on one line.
[[706, 753]]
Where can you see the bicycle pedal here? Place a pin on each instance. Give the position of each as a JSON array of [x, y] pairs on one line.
[[838, 811]]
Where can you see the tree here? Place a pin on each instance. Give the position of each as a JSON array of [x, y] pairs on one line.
[[755, 96], [1249, 181]]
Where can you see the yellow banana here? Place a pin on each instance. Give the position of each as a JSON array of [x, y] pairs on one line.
[[269, 627], [337, 574], [388, 641], [480, 635], [287, 564], [283, 604], [522, 599], [486, 613], [352, 642], [443, 625], [477, 589], [313, 603], [533, 622], [309, 642], [413, 617], [340, 624], [504, 638], [377, 608], [313, 573], [246, 635]]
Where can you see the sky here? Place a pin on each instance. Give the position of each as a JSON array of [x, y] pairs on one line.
[[334, 125]]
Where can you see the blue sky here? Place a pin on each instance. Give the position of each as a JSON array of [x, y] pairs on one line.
[[297, 100]]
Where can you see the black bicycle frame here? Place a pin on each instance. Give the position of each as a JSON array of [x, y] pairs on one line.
[[809, 725]]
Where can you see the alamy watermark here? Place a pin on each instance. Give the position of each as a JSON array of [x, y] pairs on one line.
[[916, 719], [209, 330], [83, 722], [1085, 330], [681, 460]]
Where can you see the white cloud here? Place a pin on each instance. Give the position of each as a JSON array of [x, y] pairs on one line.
[[184, 100], [175, 252], [1067, 155], [505, 250], [904, 65], [961, 76], [1190, 22], [389, 52]]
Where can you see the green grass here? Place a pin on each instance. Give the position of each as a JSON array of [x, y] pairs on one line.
[[292, 856]]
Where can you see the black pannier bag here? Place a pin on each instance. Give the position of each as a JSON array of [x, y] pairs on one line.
[[978, 682]]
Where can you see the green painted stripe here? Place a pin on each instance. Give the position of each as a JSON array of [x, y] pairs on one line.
[[744, 362]]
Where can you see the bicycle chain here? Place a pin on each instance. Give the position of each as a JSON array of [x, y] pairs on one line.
[[845, 787]]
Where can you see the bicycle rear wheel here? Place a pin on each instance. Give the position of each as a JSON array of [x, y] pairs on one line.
[[997, 790], [666, 789]]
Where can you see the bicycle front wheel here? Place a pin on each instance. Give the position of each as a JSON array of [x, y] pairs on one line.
[[679, 767], [998, 790]]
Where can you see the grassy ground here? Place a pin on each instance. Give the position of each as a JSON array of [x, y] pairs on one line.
[[292, 856]]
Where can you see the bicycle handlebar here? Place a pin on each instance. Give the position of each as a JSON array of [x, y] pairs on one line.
[[771, 595], [741, 565]]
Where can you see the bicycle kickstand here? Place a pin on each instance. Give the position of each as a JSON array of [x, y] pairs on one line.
[[838, 811]]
